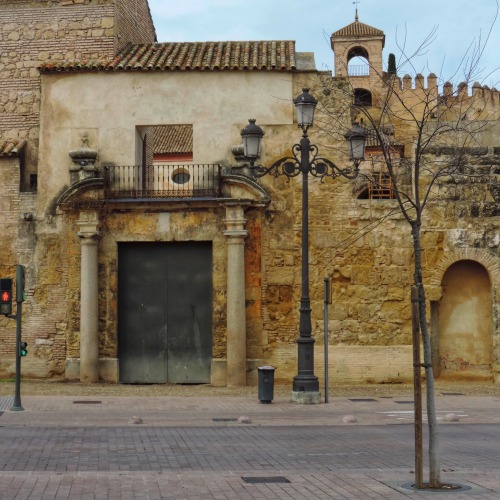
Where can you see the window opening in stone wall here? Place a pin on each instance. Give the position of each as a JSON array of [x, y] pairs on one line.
[[27, 176], [164, 164], [358, 62], [362, 97], [379, 187], [33, 182], [160, 144]]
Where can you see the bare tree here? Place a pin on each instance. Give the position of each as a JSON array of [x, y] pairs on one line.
[[420, 120]]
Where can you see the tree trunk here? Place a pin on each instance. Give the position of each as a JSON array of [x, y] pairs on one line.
[[434, 466]]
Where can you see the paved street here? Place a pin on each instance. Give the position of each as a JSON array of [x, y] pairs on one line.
[[195, 448]]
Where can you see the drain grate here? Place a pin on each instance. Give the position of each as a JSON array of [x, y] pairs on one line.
[[6, 402], [87, 402], [362, 400], [453, 394], [404, 402], [224, 419], [266, 479]]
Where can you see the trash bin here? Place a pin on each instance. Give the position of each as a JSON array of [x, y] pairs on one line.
[[266, 383]]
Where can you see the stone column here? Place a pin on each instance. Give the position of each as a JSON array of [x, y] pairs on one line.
[[89, 312], [236, 322]]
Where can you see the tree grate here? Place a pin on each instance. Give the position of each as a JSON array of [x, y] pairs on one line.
[[266, 479], [445, 488]]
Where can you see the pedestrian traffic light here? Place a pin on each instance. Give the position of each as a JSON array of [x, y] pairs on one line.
[[5, 296], [20, 295], [23, 348]]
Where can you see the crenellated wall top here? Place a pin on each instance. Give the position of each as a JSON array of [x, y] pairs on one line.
[[462, 90]]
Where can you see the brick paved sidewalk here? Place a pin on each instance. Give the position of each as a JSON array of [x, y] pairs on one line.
[[202, 411], [63, 447], [303, 462]]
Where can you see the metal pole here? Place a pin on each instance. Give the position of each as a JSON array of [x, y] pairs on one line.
[[305, 380], [417, 388], [17, 406], [327, 300]]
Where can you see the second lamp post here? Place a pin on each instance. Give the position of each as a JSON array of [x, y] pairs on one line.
[[305, 161]]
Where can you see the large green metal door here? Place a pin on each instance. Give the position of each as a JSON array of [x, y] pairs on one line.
[[165, 312]]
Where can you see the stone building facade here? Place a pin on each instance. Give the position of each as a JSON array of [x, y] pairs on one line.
[[169, 271]]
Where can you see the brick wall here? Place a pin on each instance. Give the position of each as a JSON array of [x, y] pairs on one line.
[[9, 208]]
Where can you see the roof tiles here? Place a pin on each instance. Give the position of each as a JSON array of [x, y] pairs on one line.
[[188, 56], [10, 148], [173, 139], [358, 29]]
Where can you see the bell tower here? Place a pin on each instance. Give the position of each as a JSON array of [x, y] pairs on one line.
[[358, 51]]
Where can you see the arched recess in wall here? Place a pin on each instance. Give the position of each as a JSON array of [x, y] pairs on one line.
[[358, 62], [463, 323], [362, 97]]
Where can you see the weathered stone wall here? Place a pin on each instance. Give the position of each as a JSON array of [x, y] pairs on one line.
[[34, 32], [369, 258], [366, 247], [158, 225]]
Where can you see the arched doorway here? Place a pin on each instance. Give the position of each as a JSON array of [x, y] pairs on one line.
[[465, 323]]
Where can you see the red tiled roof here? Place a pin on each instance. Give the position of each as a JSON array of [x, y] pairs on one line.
[[10, 148], [189, 56], [173, 139], [356, 29]]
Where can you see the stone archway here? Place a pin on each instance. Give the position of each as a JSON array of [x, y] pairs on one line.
[[465, 326]]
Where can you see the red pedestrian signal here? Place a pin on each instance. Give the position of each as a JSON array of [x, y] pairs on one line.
[[5, 296]]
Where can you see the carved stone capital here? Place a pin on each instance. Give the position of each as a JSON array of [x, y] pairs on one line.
[[235, 221], [88, 226]]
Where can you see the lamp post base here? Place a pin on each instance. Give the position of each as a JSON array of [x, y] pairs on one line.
[[306, 398]]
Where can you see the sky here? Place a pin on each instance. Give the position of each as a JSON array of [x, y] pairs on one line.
[[459, 26]]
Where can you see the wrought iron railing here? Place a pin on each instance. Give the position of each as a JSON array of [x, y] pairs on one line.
[[193, 181], [358, 70]]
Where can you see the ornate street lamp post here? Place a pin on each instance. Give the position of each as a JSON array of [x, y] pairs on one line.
[[305, 161]]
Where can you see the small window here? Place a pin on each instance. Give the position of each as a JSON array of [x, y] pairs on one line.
[[362, 97], [33, 182], [380, 187]]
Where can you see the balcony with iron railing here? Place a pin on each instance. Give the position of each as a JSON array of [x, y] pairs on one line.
[[147, 182]]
